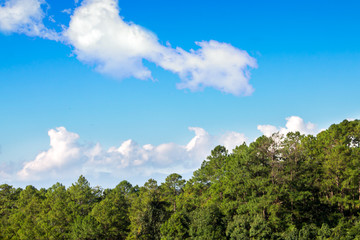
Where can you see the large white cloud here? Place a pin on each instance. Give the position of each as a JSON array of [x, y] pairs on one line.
[[293, 124], [25, 16], [101, 37], [67, 157]]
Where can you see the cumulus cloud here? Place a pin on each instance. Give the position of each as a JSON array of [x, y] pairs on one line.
[[68, 157], [63, 150], [232, 139], [217, 65], [100, 37], [25, 16], [267, 130], [293, 124]]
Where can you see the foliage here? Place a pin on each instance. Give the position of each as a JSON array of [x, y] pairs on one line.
[[279, 187]]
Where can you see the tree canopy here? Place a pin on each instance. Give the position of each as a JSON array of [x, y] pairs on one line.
[[279, 187]]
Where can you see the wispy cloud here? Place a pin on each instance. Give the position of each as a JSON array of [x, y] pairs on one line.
[[67, 11], [63, 150]]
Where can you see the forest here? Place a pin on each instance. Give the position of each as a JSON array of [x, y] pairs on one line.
[[279, 187]]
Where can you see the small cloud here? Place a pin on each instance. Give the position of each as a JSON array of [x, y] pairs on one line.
[[293, 124], [217, 65], [267, 130], [232, 139], [26, 17], [51, 19], [20, 15], [67, 11]]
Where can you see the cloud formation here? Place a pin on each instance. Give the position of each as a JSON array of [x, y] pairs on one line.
[[101, 37], [26, 17], [217, 65], [293, 124], [63, 149], [68, 157]]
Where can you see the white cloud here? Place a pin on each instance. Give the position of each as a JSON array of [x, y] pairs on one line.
[[215, 64], [232, 139], [25, 16], [67, 11], [17, 14], [293, 124], [101, 37], [67, 157], [267, 130], [63, 150], [4, 176]]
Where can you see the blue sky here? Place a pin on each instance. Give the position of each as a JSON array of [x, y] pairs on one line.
[[300, 58]]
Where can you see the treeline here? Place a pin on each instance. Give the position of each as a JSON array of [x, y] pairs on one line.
[[282, 187]]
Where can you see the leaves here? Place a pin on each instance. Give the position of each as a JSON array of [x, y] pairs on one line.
[[279, 187]]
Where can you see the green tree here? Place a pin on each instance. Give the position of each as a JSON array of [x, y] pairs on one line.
[[82, 197], [112, 213], [82, 200], [8, 199], [176, 227], [24, 221], [148, 212], [172, 187], [56, 216], [207, 223]]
